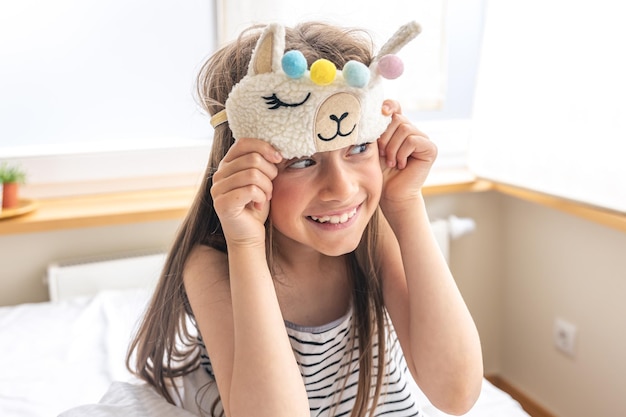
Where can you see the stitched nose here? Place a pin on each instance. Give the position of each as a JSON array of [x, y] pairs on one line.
[[338, 120], [338, 132]]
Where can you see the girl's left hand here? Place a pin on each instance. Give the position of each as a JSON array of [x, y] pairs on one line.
[[406, 156]]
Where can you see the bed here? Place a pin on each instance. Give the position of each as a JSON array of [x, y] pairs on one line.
[[60, 354]]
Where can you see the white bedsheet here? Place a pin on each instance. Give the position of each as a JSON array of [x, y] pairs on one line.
[[58, 356], [54, 356], [139, 400]]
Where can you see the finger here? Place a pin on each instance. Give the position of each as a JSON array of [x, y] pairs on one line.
[[416, 147], [250, 145], [385, 137], [397, 131], [248, 161], [244, 179], [390, 107], [234, 202]]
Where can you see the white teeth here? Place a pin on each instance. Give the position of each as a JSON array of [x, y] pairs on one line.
[[335, 219]]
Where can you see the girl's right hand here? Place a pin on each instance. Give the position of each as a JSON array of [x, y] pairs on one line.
[[242, 189]]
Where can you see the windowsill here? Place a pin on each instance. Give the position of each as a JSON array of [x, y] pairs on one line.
[[610, 218], [101, 210], [108, 209]]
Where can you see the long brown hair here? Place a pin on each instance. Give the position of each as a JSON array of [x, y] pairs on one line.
[[164, 347]]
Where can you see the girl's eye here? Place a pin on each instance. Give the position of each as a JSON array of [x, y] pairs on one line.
[[357, 149], [301, 163]]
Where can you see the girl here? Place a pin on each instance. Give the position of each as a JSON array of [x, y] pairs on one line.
[[314, 284]]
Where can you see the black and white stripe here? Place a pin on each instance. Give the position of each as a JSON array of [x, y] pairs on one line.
[[326, 360]]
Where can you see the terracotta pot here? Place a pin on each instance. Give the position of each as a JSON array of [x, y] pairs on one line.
[[10, 195]]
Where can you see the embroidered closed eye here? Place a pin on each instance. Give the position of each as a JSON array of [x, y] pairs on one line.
[[274, 102]]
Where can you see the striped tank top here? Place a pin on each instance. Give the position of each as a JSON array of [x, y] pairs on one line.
[[324, 357]]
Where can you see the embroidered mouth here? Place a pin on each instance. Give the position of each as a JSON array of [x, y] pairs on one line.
[[338, 219]]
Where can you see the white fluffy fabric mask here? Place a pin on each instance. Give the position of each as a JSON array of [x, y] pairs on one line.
[[302, 111]]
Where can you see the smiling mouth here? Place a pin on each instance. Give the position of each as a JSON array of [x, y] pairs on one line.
[[338, 219]]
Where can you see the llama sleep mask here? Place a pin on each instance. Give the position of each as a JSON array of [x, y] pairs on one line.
[[301, 111]]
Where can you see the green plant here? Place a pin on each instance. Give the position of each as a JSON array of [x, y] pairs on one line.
[[9, 174]]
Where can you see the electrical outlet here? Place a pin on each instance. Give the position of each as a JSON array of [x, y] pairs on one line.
[[564, 336]]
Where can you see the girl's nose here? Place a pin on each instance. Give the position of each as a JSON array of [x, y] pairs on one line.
[[336, 181]]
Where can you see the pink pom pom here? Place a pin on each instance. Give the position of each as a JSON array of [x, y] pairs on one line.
[[390, 67]]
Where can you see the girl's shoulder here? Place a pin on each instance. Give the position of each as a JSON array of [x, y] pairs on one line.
[[205, 252], [203, 259]]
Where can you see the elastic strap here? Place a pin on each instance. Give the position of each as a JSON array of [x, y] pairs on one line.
[[219, 118]]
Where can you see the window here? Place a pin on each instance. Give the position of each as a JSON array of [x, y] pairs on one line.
[[96, 92], [421, 87], [550, 109]]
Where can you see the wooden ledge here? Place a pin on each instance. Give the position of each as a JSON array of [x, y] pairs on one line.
[[171, 204], [606, 217], [528, 404], [102, 210]]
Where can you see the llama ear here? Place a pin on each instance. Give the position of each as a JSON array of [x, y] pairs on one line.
[[403, 35], [268, 50]]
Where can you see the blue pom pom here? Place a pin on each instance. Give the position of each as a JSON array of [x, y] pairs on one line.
[[356, 74], [294, 64]]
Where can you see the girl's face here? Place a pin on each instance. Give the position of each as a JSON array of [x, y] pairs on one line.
[[325, 201]]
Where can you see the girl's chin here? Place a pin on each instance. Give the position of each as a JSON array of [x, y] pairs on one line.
[[338, 250], [337, 247]]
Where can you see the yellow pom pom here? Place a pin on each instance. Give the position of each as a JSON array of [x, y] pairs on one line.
[[323, 72]]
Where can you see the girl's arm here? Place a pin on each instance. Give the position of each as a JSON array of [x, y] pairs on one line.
[[233, 297], [435, 329]]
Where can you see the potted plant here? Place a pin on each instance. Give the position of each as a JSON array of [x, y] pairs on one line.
[[10, 178]]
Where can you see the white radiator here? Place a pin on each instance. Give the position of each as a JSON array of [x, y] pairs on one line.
[[88, 277], [451, 228]]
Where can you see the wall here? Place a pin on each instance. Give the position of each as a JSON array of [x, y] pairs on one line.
[[476, 264], [559, 265], [524, 266], [24, 257]]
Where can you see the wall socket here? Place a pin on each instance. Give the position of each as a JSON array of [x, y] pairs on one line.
[[564, 336]]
